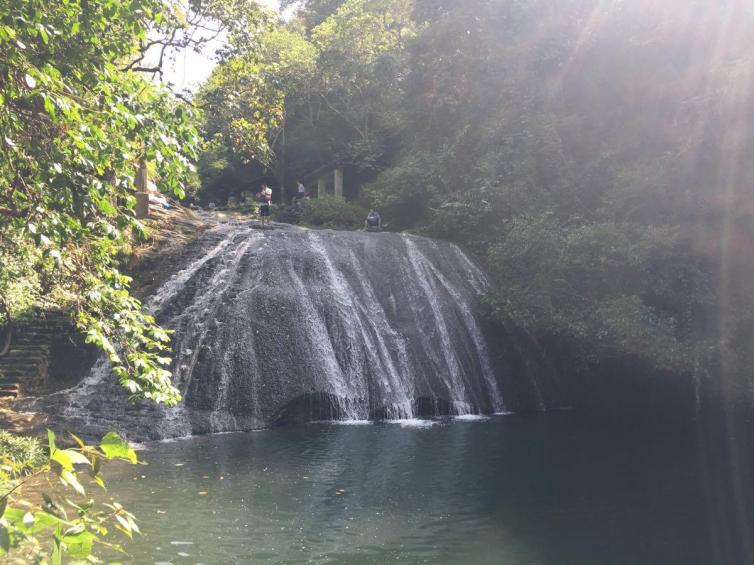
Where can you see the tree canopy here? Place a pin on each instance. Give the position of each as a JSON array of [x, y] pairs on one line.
[[78, 112], [592, 155]]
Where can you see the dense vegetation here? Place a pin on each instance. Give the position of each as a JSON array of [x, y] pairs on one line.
[[593, 155], [53, 525], [79, 113]]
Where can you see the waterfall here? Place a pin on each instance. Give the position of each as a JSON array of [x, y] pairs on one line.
[[297, 325], [477, 281]]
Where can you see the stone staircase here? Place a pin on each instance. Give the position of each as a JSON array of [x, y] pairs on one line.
[[24, 369]]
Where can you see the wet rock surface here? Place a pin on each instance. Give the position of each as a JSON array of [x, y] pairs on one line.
[[290, 325]]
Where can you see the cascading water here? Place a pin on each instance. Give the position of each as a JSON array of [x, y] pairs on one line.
[[295, 325]]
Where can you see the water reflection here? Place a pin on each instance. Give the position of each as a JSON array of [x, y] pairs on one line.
[[545, 489]]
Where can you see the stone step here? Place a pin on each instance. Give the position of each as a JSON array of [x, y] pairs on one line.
[[31, 354], [26, 364], [6, 374], [17, 374], [27, 337], [40, 342], [44, 323], [19, 378], [23, 360], [30, 346], [23, 363], [27, 351], [41, 332], [30, 350]]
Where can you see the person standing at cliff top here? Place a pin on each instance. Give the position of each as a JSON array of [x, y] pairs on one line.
[[300, 191], [265, 198]]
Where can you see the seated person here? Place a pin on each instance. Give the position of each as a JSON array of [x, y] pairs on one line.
[[373, 221]]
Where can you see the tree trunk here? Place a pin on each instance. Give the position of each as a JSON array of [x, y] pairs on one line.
[[7, 338]]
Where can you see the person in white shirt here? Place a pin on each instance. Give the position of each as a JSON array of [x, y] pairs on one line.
[[300, 191]]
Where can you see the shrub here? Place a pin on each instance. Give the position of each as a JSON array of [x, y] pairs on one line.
[[22, 454], [334, 213], [292, 214], [405, 192], [62, 525], [325, 212]]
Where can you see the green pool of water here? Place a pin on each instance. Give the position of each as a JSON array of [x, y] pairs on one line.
[[549, 489]]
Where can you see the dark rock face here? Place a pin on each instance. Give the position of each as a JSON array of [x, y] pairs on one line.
[[295, 325]]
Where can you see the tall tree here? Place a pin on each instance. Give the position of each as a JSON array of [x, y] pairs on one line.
[[77, 114], [312, 12]]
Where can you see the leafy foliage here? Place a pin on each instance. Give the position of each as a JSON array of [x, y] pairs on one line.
[[591, 155], [59, 526], [21, 279], [140, 356], [66, 203], [21, 455], [311, 13], [326, 212], [303, 97]]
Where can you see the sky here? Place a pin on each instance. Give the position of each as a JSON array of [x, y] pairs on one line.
[[190, 69]]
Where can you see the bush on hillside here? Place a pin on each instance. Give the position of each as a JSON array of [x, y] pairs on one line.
[[326, 212], [21, 454]]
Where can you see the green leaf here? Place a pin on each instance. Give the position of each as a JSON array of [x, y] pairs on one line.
[[79, 546], [70, 479], [67, 458], [14, 516], [49, 106], [57, 554], [127, 525], [78, 441], [44, 521], [113, 446], [51, 437], [62, 458], [98, 480], [4, 540], [43, 33], [77, 457]]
